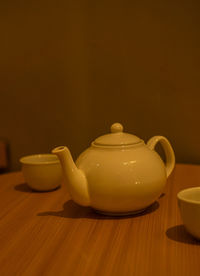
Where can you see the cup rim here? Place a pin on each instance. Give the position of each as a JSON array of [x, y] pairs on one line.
[[182, 195], [29, 159]]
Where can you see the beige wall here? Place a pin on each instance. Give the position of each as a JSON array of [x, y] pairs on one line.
[[68, 69]]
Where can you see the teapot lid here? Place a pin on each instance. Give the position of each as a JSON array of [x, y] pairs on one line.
[[117, 137]]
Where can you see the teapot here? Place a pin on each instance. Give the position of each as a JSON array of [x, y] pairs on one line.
[[118, 174]]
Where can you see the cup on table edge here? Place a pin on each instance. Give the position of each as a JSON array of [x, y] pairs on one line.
[[189, 206], [42, 172]]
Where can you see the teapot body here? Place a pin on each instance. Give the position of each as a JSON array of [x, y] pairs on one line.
[[122, 179], [118, 174]]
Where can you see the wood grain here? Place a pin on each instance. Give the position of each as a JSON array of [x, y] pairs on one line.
[[48, 234]]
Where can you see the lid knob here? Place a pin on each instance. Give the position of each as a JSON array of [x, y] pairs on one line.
[[116, 127]]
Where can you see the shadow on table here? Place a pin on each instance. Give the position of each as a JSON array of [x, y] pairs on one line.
[[73, 210], [179, 234], [23, 188]]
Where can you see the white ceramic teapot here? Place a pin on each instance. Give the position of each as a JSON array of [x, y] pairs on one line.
[[118, 174]]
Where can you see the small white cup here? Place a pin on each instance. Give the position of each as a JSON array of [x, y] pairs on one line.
[[42, 172], [189, 204]]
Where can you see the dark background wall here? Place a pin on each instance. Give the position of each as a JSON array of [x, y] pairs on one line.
[[69, 69]]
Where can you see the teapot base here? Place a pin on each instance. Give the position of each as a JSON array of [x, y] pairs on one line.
[[117, 214]]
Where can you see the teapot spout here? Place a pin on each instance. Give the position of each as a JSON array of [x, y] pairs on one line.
[[75, 178]]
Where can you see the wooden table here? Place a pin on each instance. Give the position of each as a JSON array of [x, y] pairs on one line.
[[48, 234]]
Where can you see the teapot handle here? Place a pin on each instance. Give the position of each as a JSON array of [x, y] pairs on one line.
[[169, 153]]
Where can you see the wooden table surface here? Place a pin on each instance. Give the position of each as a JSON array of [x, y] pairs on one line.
[[48, 234]]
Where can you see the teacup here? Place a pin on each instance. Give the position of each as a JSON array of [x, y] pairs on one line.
[[189, 204], [42, 172]]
